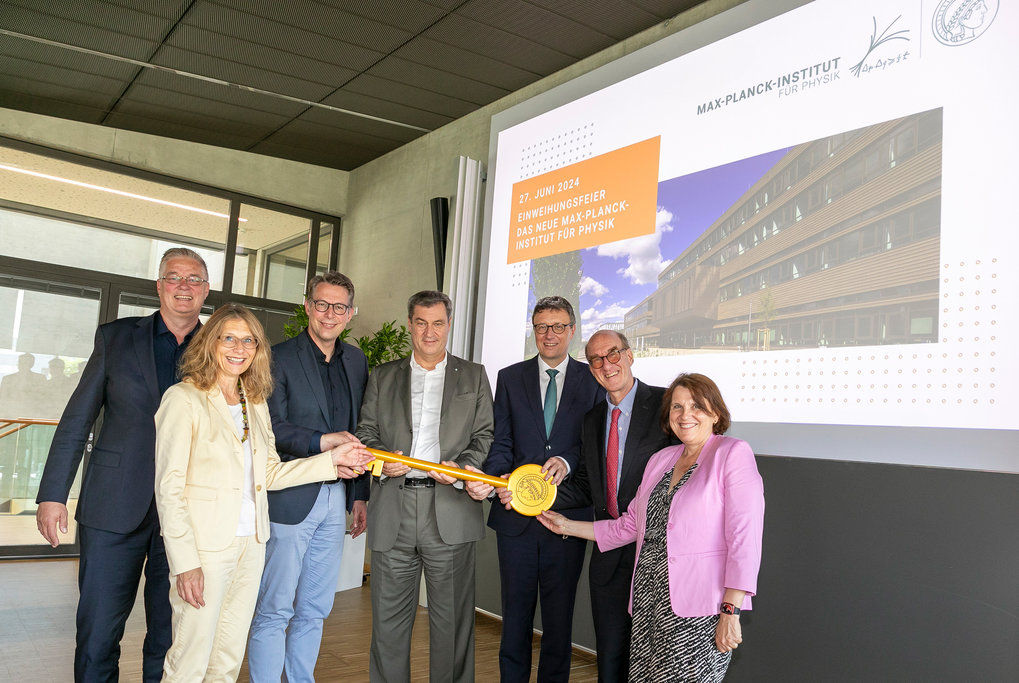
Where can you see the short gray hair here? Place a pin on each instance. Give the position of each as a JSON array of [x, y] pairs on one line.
[[554, 303], [182, 252], [331, 277], [428, 298]]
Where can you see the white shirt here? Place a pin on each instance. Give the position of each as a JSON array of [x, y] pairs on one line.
[[560, 378], [246, 523], [425, 407]]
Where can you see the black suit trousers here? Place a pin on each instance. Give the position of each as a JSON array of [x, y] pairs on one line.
[[109, 571]]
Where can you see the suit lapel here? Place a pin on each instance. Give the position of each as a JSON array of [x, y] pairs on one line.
[[145, 354], [574, 378], [307, 355], [532, 394], [219, 407], [598, 476], [642, 420], [401, 389], [449, 383]]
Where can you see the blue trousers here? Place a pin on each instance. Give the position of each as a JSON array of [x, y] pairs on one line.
[[302, 567], [109, 570]]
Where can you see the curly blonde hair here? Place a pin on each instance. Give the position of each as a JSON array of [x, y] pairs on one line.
[[200, 366]]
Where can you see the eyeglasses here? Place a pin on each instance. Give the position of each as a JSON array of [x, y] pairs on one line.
[[229, 341], [612, 357], [323, 306], [178, 279], [558, 328]]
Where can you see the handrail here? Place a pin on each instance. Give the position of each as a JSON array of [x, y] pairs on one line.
[[24, 423]]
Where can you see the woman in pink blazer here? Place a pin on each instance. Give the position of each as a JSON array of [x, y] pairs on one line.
[[697, 519]]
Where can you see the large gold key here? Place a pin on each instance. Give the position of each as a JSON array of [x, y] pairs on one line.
[[532, 495]]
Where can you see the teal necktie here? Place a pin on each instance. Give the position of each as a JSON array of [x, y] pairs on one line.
[[550, 401]]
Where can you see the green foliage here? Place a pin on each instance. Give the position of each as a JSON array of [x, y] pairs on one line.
[[559, 275], [386, 344], [296, 323]]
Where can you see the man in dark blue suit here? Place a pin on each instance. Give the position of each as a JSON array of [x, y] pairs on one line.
[[320, 382], [634, 408], [134, 361], [539, 407]]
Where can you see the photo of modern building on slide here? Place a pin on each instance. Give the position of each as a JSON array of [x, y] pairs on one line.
[[837, 244]]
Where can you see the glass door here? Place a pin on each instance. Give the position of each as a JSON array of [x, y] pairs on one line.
[[46, 335]]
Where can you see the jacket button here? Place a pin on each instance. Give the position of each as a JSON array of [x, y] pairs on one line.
[[548, 447], [258, 487]]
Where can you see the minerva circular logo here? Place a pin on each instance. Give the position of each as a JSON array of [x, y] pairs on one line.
[[532, 489], [957, 22]]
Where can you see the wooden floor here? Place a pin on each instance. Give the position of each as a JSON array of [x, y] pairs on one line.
[[38, 599]]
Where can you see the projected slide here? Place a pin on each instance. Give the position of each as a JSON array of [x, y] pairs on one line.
[[816, 211]]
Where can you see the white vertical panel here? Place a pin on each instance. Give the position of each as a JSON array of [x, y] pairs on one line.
[[463, 254]]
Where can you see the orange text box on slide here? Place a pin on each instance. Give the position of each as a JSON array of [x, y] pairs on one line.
[[604, 199]]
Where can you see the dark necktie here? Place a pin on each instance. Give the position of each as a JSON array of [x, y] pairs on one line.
[[550, 401], [612, 462]]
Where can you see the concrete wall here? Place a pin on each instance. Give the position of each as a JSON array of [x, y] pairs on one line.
[[287, 182], [387, 234]]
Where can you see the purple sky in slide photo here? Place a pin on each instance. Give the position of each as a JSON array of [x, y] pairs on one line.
[[618, 275]]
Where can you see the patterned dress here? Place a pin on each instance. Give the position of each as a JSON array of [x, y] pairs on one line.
[[664, 647]]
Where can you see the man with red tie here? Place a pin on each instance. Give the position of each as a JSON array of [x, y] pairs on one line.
[[619, 436]]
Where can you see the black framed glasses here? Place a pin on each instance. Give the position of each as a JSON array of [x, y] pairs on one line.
[[612, 357], [558, 328], [323, 306], [229, 341], [175, 279]]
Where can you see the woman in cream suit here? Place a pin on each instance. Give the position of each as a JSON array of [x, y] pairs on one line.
[[215, 459], [697, 519]]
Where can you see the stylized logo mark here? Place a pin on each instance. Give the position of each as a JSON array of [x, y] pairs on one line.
[[877, 40], [957, 22], [532, 489]]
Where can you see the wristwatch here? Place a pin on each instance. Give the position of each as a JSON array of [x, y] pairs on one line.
[[729, 608]]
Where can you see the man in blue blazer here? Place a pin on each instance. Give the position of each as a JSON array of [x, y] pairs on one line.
[[320, 382], [638, 437], [539, 408], [134, 361]]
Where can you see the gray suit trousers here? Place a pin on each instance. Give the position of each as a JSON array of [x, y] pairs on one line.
[[395, 583]]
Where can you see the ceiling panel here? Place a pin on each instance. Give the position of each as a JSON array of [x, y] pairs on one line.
[[252, 17], [455, 60], [539, 25], [421, 63], [261, 55], [132, 34], [459, 31], [404, 112], [615, 18], [422, 76], [393, 91]]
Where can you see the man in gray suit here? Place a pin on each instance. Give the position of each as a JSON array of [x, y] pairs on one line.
[[431, 406]]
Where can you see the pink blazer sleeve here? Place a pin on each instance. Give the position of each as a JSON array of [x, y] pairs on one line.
[[744, 518]]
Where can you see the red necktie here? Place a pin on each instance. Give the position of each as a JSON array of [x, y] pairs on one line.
[[612, 462]]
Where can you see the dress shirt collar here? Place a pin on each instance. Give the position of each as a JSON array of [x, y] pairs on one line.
[[441, 365], [543, 366], [626, 405]]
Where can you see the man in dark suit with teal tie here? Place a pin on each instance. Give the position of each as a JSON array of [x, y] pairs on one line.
[[539, 407]]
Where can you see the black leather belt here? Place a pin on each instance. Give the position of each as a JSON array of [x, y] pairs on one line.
[[419, 482]]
